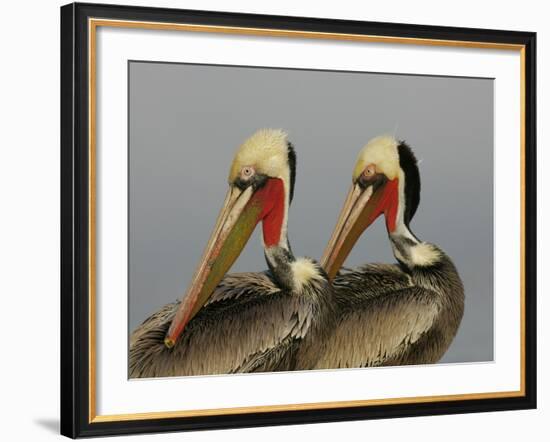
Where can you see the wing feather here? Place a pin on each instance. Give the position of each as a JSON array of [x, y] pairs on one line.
[[380, 314], [380, 331], [248, 325]]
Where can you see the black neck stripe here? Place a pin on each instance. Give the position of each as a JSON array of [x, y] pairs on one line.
[[409, 165], [292, 168]]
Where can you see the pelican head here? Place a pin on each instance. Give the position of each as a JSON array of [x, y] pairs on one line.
[[385, 181], [261, 181]]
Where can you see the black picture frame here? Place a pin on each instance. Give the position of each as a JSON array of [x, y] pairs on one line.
[[75, 192]]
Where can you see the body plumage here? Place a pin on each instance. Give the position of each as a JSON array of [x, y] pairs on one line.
[[246, 322], [389, 314]]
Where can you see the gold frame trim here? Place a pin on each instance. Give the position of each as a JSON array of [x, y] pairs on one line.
[[93, 24]]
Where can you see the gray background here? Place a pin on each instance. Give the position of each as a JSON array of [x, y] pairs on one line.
[[187, 120]]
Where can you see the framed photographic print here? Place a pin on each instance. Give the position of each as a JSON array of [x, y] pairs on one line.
[[275, 220]]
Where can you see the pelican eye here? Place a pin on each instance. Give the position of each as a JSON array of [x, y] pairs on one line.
[[369, 171], [247, 172]]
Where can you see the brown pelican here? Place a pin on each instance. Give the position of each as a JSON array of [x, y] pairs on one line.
[[405, 313], [250, 321]]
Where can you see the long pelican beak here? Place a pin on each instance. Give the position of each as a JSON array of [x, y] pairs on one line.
[[236, 222], [361, 207]]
